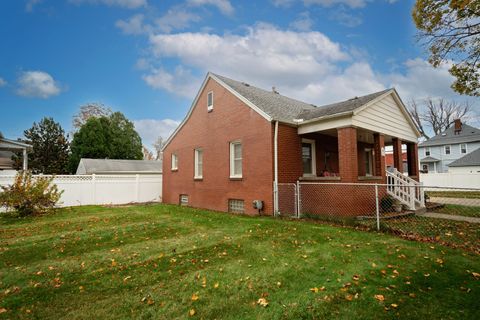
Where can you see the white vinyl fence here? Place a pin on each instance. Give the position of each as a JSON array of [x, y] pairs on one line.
[[81, 190], [451, 180]]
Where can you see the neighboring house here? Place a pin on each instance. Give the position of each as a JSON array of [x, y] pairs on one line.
[[114, 166], [7, 149], [470, 163], [438, 152], [238, 142]]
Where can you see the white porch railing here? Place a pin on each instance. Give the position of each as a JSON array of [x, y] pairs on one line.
[[406, 190]]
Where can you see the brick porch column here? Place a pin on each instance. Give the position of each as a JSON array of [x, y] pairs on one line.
[[397, 154], [412, 160], [347, 154], [379, 146]]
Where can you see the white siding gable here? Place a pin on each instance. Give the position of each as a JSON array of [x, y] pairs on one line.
[[386, 116]]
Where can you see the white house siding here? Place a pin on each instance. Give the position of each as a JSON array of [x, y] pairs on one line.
[[470, 169], [385, 116], [438, 152]]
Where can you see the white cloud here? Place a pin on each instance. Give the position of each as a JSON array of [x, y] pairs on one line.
[[223, 5], [37, 84], [31, 4], [134, 25], [150, 129], [2, 82], [303, 22], [330, 3], [176, 18], [180, 82], [283, 3], [345, 18], [129, 4]]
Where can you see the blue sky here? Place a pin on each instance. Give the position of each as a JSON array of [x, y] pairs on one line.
[[147, 58]]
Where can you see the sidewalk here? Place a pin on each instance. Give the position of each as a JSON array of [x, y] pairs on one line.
[[449, 217]]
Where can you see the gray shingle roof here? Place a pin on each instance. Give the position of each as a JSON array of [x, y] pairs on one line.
[[429, 159], [468, 160], [286, 109], [468, 134], [89, 166]]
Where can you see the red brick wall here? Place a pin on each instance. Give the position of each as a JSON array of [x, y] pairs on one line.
[[230, 120]]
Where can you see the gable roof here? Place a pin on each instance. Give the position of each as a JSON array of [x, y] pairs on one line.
[[468, 160], [429, 159], [276, 107], [468, 134], [90, 166]]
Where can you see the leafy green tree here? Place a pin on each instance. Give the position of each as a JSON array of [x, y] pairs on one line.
[[50, 148], [451, 31], [112, 137]]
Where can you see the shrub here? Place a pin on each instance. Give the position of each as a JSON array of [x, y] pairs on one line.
[[30, 196], [386, 203]]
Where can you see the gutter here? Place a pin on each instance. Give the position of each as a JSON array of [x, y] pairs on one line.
[[275, 170]]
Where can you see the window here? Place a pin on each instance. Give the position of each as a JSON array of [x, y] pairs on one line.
[[425, 168], [174, 161], [463, 148], [184, 199], [235, 159], [198, 164], [210, 101], [427, 151], [368, 162], [236, 206], [447, 149], [308, 157]]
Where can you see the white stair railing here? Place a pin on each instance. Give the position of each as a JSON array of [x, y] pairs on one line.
[[406, 190]]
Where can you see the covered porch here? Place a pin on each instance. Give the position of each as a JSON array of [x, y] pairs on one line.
[[7, 148], [353, 155]]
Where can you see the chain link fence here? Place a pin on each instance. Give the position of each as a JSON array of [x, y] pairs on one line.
[[450, 216]]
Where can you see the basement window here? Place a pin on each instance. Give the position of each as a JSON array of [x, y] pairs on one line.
[[236, 206], [184, 200]]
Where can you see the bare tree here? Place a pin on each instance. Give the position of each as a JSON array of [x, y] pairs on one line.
[[437, 114], [158, 145], [89, 110], [147, 154]]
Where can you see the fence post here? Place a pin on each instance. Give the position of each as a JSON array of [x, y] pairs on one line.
[[137, 186], [377, 209], [298, 200], [94, 189]]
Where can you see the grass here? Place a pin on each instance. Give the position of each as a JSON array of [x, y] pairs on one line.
[[455, 194], [467, 211], [163, 262]]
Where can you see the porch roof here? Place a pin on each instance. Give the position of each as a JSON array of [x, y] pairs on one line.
[[429, 160], [7, 144]]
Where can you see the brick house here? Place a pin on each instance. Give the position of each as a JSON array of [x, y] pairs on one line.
[[238, 142]]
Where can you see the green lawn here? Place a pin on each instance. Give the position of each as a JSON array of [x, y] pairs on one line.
[[163, 262], [455, 194], [467, 211]]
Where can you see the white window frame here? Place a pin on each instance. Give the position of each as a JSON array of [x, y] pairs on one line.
[[174, 161], [449, 149], [209, 106], [466, 150], [314, 160], [197, 174], [427, 151], [232, 159]]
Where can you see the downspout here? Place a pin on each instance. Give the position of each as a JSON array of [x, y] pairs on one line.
[[275, 170]]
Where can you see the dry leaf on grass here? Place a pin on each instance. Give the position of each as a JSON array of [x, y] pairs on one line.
[[263, 302], [192, 312], [380, 297], [195, 297]]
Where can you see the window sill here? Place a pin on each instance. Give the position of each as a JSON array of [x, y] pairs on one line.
[[198, 179], [320, 178], [174, 170], [363, 178], [209, 109], [236, 178]]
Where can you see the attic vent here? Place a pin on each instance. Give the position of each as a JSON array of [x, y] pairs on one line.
[[245, 84]]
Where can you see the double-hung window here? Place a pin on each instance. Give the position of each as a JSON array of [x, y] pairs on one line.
[[308, 157], [427, 151], [236, 169], [198, 164], [463, 148], [174, 161], [447, 149]]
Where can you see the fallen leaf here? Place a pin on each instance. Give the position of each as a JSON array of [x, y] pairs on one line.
[[126, 278], [263, 302], [380, 297], [476, 274], [3, 310], [216, 285], [150, 301], [192, 312], [356, 277], [195, 297], [349, 297], [394, 305]]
